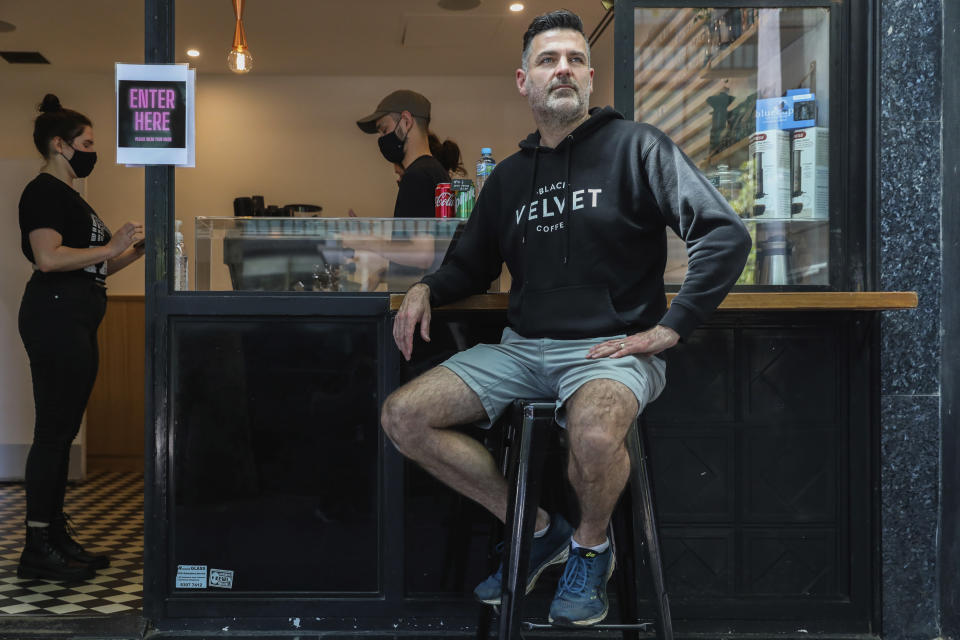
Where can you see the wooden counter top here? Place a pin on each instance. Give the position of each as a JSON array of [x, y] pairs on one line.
[[779, 301]]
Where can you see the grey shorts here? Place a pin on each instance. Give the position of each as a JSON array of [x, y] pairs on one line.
[[521, 367]]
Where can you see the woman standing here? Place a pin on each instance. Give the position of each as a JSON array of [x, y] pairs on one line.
[[72, 253]]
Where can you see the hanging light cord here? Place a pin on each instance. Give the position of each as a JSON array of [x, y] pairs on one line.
[[601, 27]]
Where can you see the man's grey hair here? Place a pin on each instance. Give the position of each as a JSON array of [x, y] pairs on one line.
[[560, 19]]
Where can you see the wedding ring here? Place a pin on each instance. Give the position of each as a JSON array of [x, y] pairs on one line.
[[623, 345]]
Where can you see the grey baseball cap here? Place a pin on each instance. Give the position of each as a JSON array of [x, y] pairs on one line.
[[402, 100]]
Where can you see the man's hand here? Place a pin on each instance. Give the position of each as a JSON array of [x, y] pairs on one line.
[[414, 309], [647, 343]]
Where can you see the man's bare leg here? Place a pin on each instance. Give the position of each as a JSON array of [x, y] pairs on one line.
[[416, 418], [599, 415]]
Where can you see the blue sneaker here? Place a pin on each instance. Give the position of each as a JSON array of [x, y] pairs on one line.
[[550, 549], [581, 598]]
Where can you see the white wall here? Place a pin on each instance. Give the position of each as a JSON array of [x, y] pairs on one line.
[[292, 139]]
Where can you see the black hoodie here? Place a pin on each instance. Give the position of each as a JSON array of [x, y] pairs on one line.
[[581, 228]]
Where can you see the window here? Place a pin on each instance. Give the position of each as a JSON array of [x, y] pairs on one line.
[[745, 93]]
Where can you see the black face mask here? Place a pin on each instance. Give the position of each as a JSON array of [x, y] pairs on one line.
[[82, 162], [391, 146]]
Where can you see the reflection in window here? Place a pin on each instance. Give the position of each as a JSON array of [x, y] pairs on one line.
[[745, 93]]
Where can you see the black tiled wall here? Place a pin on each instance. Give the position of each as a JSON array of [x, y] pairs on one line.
[[911, 37]]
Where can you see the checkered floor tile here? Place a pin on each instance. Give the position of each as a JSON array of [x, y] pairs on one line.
[[107, 512]]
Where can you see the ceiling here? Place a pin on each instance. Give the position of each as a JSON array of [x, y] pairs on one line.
[[291, 37]]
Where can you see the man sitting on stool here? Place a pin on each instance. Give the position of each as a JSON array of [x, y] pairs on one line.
[[578, 215]]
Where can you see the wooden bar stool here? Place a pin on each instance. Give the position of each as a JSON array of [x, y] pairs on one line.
[[529, 429]]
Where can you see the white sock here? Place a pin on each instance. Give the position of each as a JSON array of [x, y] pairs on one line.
[[600, 548]]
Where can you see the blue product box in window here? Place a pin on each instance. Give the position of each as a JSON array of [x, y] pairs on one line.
[[804, 108], [796, 110]]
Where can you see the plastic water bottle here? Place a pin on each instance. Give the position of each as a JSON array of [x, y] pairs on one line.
[[485, 166], [179, 259]]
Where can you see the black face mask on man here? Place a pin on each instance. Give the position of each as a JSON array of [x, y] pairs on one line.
[[82, 162], [391, 146]]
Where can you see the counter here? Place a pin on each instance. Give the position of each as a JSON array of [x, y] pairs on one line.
[[760, 301], [272, 468]]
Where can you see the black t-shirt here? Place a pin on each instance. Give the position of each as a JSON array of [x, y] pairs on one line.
[[418, 188], [415, 199], [50, 203]]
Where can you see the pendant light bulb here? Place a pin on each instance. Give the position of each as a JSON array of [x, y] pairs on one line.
[[239, 60]]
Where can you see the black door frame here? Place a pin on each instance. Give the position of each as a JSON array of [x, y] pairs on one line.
[[949, 551], [158, 40]]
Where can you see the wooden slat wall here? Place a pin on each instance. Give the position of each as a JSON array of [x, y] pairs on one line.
[[115, 410]]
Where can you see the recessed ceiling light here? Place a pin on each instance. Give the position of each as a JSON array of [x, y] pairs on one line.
[[193, 53], [516, 7]]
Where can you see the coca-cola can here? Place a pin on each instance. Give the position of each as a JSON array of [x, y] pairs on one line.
[[443, 199]]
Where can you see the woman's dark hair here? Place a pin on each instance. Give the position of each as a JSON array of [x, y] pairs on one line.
[[447, 152], [55, 121], [560, 19]]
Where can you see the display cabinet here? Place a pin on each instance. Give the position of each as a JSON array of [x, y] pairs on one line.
[[319, 254]]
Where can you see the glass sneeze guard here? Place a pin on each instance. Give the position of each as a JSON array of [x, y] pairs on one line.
[[319, 254]]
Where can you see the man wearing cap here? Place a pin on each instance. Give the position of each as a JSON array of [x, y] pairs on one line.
[[402, 120]]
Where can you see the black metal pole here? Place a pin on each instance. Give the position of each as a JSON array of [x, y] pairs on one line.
[[949, 550], [623, 99], [158, 225]]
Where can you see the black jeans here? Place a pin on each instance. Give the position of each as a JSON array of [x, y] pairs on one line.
[[59, 316]]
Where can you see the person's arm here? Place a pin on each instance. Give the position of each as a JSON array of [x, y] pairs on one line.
[[717, 240], [129, 256], [475, 261], [414, 310], [419, 251], [414, 200], [469, 268], [646, 343], [50, 255]]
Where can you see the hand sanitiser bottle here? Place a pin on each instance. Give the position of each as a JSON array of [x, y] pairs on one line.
[[179, 260]]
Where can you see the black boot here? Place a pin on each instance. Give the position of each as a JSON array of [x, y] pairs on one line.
[[42, 559], [61, 536]]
